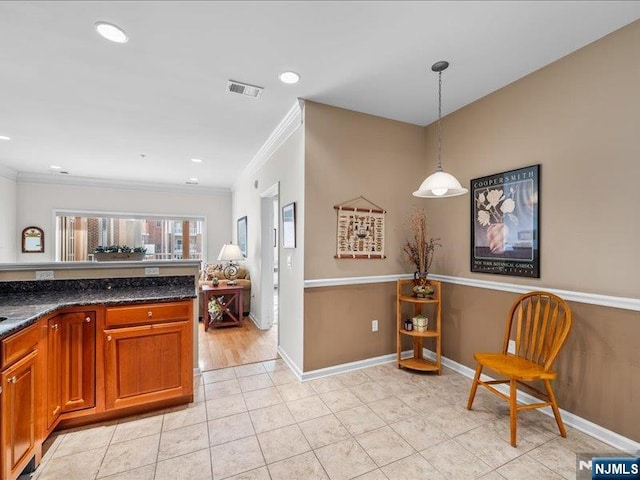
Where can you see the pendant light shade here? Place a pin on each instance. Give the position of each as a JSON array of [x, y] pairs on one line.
[[440, 184]]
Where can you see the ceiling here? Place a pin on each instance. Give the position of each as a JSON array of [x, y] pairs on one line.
[[141, 111]]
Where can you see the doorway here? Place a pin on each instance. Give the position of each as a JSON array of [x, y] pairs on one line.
[[257, 339]]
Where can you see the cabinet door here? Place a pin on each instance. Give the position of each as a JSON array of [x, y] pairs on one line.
[[78, 332], [147, 364], [54, 369], [71, 354], [19, 397]]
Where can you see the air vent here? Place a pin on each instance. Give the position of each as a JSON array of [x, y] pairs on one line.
[[244, 89]]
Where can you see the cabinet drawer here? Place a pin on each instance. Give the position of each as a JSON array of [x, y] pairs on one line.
[[148, 313], [18, 345]]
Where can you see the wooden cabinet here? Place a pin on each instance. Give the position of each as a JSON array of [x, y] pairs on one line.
[[87, 363], [19, 433], [151, 362], [71, 360], [432, 308]]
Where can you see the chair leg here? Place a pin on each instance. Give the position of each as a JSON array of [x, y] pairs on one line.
[[474, 387], [513, 410], [554, 407]]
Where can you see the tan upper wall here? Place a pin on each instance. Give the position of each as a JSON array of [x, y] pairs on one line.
[[580, 119], [348, 154]]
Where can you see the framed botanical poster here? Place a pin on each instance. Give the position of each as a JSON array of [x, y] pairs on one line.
[[505, 235], [242, 235], [289, 226]]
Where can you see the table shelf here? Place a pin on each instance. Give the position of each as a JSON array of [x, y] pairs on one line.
[[229, 300], [433, 333]]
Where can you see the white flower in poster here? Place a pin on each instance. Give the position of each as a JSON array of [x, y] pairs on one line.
[[508, 205], [484, 218]]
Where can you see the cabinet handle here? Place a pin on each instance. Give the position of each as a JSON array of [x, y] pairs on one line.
[[55, 326], [13, 379], [108, 338], [88, 319], [149, 313]]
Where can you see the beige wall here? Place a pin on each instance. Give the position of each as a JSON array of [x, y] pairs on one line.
[[349, 154], [8, 242], [36, 203], [579, 119]]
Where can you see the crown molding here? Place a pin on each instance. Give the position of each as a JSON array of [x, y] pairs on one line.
[[51, 179], [8, 173], [289, 124]]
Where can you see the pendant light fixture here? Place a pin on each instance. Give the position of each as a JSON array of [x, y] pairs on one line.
[[440, 184]]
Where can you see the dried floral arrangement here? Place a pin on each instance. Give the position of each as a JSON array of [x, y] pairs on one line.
[[419, 249]]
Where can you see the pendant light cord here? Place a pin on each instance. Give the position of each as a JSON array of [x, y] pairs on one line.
[[439, 168]]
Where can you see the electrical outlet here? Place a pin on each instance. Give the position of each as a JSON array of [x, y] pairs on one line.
[[44, 274], [152, 271], [512, 347], [374, 325]]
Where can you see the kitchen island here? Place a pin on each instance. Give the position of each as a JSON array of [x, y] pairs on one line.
[[78, 350]]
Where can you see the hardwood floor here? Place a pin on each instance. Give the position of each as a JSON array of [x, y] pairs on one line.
[[231, 346]]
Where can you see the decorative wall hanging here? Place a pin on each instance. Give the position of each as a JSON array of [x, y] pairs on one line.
[[32, 240], [505, 236], [360, 230]]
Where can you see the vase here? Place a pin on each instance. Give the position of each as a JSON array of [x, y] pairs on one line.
[[422, 288], [420, 279]]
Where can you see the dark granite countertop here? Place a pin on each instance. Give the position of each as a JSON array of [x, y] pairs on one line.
[[24, 305]]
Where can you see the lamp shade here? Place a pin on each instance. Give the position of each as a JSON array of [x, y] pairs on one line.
[[230, 253], [440, 184]]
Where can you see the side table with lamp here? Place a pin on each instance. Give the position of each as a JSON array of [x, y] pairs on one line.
[[224, 303]]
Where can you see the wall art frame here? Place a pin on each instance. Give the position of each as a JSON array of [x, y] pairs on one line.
[[242, 235], [360, 231], [505, 230], [289, 225], [32, 240]]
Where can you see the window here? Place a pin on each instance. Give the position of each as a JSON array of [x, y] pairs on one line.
[[79, 233]]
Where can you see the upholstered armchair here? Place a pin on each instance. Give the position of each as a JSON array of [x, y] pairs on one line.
[[211, 271]]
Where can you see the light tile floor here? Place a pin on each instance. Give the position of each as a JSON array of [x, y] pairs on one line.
[[258, 422]]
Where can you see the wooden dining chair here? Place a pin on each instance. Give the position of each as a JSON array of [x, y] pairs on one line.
[[539, 322]]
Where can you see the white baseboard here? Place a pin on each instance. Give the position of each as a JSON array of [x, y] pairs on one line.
[[604, 435], [197, 371], [290, 363], [348, 367]]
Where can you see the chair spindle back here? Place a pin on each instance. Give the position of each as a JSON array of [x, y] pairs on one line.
[[542, 322]]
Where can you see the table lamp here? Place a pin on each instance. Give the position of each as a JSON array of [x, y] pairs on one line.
[[230, 253]]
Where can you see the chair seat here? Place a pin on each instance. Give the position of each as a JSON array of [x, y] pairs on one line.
[[514, 367]]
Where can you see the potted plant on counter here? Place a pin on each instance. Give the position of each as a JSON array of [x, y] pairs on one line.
[[118, 253]]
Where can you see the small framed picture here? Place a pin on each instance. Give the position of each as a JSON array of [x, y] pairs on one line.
[[242, 235], [289, 226]]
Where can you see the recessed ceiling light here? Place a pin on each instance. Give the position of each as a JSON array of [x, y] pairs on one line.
[[4, 137], [111, 32], [196, 160], [55, 167], [193, 180], [289, 77]]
